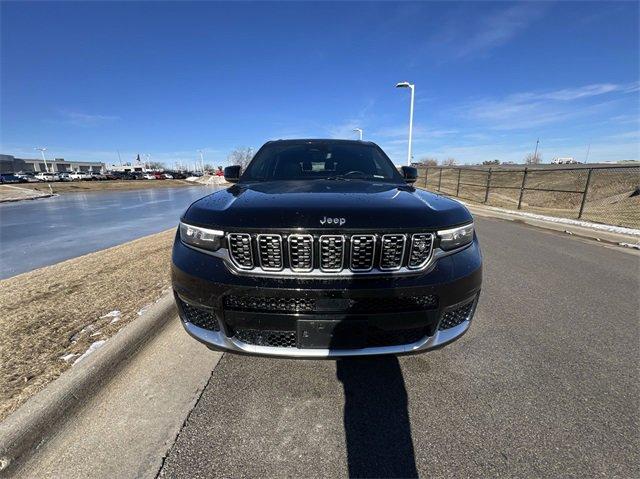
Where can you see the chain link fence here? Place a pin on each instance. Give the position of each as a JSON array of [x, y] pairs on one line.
[[609, 195]]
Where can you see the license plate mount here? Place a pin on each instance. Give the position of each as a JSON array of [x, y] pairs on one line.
[[331, 334]]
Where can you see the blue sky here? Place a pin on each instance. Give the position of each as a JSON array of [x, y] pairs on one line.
[[88, 79]]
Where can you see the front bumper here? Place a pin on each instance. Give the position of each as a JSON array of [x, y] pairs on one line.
[[203, 282]]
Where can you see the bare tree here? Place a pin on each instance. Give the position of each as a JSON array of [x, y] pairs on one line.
[[240, 156], [533, 159], [428, 161], [450, 162], [156, 165]]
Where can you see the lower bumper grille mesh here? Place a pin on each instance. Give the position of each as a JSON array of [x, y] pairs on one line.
[[270, 304], [457, 316], [202, 318], [288, 339], [308, 305], [276, 339]]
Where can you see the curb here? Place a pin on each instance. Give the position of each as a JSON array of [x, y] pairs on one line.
[[36, 420]]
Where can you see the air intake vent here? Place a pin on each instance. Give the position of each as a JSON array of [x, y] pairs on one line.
[[457, 316], [421, 246], [270, 252], [203, 318], [362, 252], [301, 252], [392, 252], [331, 253], [240, 250]]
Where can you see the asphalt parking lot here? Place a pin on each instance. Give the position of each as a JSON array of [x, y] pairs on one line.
[[545, 384]]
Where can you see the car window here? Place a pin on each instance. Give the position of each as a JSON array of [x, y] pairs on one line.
[[317, 160]]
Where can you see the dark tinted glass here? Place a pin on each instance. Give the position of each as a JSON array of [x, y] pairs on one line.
[[317, 160]]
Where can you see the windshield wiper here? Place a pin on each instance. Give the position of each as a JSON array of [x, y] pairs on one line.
[[336, 178]]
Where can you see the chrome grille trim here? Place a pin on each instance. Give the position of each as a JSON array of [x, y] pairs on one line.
[[225, 255], [235, 250], [270, 260], [412, 252], [391, 259], [300, 237], [324, 254], [372, 245]]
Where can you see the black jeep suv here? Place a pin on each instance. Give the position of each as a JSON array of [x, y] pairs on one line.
[[322, 248]]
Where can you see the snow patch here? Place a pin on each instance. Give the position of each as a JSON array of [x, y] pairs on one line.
[[68, 357], [115, 314], [565, 221], [87, 329], [94, 347]]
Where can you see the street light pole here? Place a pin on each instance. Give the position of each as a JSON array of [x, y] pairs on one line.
[[201, 161], [359, 130], [42, 150], [412, 88]]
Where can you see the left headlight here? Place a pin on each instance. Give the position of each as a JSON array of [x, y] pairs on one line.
[[201, 237], [456, 237]]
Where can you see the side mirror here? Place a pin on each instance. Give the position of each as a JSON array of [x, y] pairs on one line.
[[410, 174], [232, 173]]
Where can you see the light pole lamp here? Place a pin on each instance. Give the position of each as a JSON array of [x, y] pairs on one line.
[[412, 87], [42, 150], [359, 130]]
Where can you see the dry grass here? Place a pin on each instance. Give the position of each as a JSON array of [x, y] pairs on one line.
[[111, 185], [56, 310], [16, 193], [610, 198]]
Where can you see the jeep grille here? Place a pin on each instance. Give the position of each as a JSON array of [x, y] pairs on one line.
[[330, 254]]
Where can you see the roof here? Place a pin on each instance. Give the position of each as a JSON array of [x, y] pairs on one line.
[[321, 140]]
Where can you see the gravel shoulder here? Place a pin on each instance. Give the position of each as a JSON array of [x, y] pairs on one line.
[[53, 315]]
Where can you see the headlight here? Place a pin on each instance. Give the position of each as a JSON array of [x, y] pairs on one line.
[[456, 237], [201, 237]]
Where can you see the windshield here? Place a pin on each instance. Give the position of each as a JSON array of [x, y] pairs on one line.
[[320, 160]]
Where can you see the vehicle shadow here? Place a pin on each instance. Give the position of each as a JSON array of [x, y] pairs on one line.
[[376, 418]]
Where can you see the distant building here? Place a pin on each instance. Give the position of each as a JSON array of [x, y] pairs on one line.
[[10, 164]]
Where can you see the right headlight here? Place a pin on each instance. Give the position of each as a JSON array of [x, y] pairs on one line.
[[201, 237], [456, 237]]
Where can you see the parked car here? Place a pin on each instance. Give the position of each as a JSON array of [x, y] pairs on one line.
[[322, 248], [49, 177], [97, 176], [168, 176], [149, 176], [79, 175], [160, 176], [175, 175], [27, 176], [64, 176], [10, 178]]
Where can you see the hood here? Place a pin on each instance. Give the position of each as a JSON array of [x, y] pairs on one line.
[[310, 204]]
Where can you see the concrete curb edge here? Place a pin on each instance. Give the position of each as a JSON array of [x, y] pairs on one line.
[[584, 232], [37, 419]]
